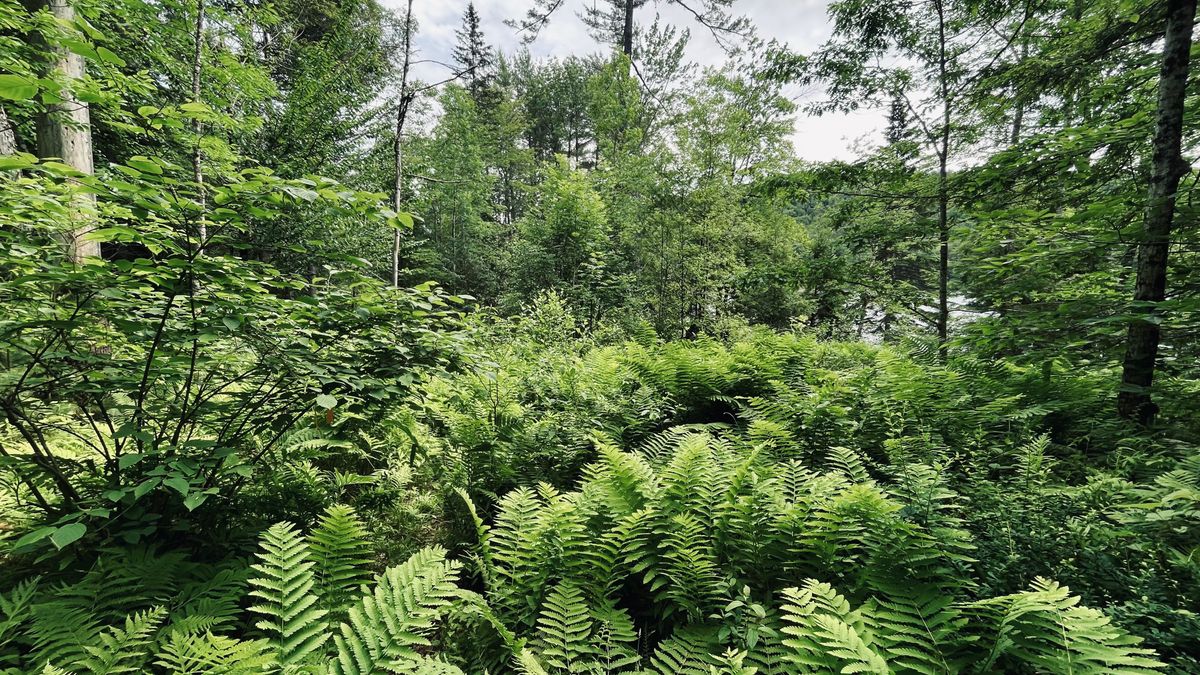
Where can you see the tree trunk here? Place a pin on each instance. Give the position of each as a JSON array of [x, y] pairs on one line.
[[627, 32], [8, 134], [64, 131], [943, 317], [398, 143], [1141, 347], [1018, 101], [197, 169], [943, 193]]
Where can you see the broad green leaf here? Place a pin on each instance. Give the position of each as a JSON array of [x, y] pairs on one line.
[[193, 500], [34, 537], [129, 460], [180, 485], [17, 88], [68, 534]]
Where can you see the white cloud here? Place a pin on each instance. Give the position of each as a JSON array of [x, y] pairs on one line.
[[803, 24]]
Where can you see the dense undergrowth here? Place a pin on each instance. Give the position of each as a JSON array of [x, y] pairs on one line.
[[601, 503]]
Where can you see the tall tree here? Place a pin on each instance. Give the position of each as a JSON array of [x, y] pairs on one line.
[[8, 134], [402, 106], [1141, 351], [472, 54], [197, 153], [938, 48]]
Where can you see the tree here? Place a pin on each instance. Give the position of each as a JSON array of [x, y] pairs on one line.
[[940, 46], [1134, 400], [613, 22], [330, 62], [615, 107], [453, 199], [561, 234], [554, 95], [735, 125], [472, 54], [8, 134], [405, 99], [197, 153]]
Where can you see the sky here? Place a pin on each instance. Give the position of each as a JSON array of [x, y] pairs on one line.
[[802, 24]]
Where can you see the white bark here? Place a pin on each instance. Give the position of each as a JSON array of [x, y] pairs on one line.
[[64, 131], [8, 135]]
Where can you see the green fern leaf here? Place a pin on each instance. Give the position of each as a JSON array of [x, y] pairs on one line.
[[294, 624], [123, 650], [387, 626], [341, 557], [564, 630]]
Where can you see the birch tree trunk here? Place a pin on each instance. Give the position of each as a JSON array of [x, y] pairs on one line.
[[1142, 340], [8, 134], [64, 131]]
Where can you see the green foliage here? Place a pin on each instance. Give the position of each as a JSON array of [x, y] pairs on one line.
[[388, 624], [715, 410], [338, 546], [124, 650], [294, 622]]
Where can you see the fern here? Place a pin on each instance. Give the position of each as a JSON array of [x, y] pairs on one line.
[[918, 628], [615, 638], [386, 627], [15, 610], [624, 481], [482, 554], [340, 554], [695, 583], [204, 654], [123, 650], [825, 634], [59, 630], [527, 664], [689, 651], [847, 462], [564, 630], [293, 623], [1046, 628]]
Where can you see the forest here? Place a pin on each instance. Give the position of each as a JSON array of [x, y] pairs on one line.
[[322, 353]]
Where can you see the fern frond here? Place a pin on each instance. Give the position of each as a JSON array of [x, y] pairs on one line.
[[918, 628], [386, 626], [293, 623], [123, 650], [59, 630], [825, 634], [689, 651], [696, 586], [848, 463], [16, 608], [341, 558], [1048, 629], [483, 546], [527, 664], [624, 481], [564, 629], [615, 638], [204, 654]]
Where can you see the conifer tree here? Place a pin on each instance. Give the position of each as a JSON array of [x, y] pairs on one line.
[[472, 54]]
